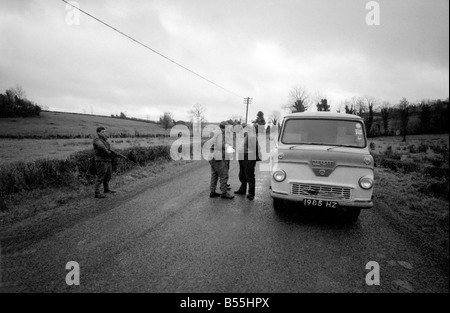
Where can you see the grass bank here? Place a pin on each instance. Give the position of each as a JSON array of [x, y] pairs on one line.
[[412, 183], [19, 177]]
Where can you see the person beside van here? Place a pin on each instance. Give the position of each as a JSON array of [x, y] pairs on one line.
[[247, 162]]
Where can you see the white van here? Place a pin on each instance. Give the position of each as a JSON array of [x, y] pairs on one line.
[[323, 160]]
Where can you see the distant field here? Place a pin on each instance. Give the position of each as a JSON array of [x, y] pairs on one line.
[[69, 125], [28, 150], [413, 142]]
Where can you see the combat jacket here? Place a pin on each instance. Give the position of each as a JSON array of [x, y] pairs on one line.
[[102, 149]]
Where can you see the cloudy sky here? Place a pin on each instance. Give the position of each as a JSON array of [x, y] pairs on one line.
[[250, 48]]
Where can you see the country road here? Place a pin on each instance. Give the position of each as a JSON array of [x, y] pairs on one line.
[[171, 237]]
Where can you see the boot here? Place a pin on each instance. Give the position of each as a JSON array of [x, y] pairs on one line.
[[251, 191], [99, 195], [214, 195], [226, 195], [107, 190], [242, 190]]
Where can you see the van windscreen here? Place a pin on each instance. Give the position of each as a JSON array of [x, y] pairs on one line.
[[324, 132]]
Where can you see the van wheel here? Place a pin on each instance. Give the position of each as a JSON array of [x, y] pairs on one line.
[[351, 214], [278, 204]]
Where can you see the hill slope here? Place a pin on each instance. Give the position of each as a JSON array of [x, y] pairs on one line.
[[72, 125]]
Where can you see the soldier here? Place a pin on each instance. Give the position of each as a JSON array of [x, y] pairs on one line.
[[219, 166], [103, 162]]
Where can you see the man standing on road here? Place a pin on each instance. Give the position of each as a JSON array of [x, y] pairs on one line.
[[248, 154], [103, 162], [219, 166]]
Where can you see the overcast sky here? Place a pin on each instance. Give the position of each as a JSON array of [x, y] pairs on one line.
[[252, 48]]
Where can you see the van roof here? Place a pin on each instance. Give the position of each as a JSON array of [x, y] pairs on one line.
[[333, 115]]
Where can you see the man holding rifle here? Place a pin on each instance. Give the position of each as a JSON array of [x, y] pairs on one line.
[[103, 162]]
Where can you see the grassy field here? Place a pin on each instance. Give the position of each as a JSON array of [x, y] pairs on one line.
[[56, 135], [71, 125], [28, 150], [412, 184]]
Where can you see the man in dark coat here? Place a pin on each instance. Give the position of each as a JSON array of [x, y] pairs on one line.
[[248, 155], [103, 162]]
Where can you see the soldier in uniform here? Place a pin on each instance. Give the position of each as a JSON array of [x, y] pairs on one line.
[[103, 162]]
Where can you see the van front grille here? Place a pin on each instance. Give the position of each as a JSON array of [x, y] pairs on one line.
[[321, 191]]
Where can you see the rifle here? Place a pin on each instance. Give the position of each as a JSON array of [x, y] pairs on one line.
[[117, 154]]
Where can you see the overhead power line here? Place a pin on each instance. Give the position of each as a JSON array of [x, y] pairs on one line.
[[154, 51]]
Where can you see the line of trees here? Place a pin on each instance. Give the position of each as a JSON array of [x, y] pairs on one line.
[[403, 118], [13, 103], [381, 117]]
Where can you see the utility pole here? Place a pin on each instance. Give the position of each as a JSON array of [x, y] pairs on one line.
[[247, 101]]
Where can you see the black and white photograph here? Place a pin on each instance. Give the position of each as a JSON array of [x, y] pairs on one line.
[[224, 154]]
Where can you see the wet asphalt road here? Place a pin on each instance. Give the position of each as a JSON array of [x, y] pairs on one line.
[[174, 238]]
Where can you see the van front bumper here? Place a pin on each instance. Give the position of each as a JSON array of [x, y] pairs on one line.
[[357, 203]]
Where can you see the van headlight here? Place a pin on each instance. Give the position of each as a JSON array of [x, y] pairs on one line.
[[366, 182], [367, 160], [279, 175]]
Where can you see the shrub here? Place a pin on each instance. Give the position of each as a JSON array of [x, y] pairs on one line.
[[436, 188], [423, 147], [409, 167], [412, 149], [389, 163], [437, 172], [396, 164], [12, 104], [43, 173], [388, 151]]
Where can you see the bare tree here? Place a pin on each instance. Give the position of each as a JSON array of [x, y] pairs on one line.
[[385, 112], [299, 100], [425, 116], [348, 107], [370, 103], [16, 91], [321, 101], [342, 107], [404, 116], [275, 117], [236, 118], [359, 106], [197, 113]]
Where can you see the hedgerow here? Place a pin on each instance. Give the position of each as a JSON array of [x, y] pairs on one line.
[[43, 173]]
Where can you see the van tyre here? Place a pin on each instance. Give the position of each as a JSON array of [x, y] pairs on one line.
[[351, 214]]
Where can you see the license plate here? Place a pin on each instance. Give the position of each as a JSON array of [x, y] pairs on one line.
[[320, 203]]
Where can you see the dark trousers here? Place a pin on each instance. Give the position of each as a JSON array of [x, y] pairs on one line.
[[104, 172], [219, 172], [247, 176]]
